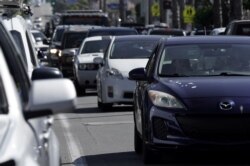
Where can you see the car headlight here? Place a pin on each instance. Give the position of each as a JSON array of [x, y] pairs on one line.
[[53, 51], [59, 53], [114, 73], [162, 99]]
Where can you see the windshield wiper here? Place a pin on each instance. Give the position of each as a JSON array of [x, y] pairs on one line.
[[231, 74], [175, 75]]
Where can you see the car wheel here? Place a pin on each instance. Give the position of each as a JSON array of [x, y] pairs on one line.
[[80, 90], [148, 155], [104, 106], [137, 141]]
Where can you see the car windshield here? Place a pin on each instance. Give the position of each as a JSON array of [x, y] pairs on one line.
[[205, 60], [95, 46], [73, 40], [58, 35], [132, 49], [38, 36]]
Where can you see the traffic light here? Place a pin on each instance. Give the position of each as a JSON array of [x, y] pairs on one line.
[[167, 4]]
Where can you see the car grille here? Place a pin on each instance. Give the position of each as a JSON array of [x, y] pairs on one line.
[[67, 59], [216, 128], [128, 95], [160, 128]]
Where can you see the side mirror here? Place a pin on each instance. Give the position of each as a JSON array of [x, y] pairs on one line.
[[137, 74], [40, 54], [98, 60], [46, 73], [51, 97], [46, 41]]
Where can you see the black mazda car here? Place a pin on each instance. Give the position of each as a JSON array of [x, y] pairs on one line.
[[193, 94]]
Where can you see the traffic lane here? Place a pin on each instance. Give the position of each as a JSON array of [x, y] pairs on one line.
[[106, 138]]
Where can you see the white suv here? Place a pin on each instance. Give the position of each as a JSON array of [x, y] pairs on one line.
[[84, 67], [20, 31]]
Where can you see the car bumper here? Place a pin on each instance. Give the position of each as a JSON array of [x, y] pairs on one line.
[[86, 78], [176, 130], [118, 91]]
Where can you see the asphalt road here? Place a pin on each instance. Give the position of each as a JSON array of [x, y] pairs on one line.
[[90, 137]]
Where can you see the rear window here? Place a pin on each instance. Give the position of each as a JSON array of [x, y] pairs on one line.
[[95, 46], [243, 29], [112, 33], [132, 49], [166, 32], [84, 20]]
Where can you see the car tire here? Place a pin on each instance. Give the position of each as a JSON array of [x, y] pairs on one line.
[[137, 141], [148, 155], [80, 90], [104, 106]]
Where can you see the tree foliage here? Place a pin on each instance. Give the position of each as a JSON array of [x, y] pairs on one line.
[[246, 4], [204, 16]]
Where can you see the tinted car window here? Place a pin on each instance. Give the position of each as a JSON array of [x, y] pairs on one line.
[[18, 39], [243, 29], [111, 33], [166, 32], [58, 35], [73, 40], [95, 46], [84, 20], [132, 49]]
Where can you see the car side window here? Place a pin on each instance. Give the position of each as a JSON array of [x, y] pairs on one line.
[[151, 62], [15, 64], [18, 39], [31, 50], [3, 99]]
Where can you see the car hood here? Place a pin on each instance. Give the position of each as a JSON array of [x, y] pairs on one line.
[[125, 65], [70, 51], [5, 124], [88, 58], [207, 87]]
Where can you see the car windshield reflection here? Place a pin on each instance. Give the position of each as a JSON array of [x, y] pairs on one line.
[[205, 60]]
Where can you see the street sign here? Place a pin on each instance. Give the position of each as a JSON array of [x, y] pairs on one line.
[[188, 14], [113, 6], [155, 9]]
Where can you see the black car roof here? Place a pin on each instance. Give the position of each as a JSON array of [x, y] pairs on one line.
[[207, 39], [138, 37], [113, 29]]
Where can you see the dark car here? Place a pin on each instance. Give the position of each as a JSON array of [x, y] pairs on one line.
[[238, 27], [194, 93], [112, 31], [167, 32], [71, 41]]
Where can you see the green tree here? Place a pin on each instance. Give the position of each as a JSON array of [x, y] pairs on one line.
[[204, 16], [246, 4], [80, 5]]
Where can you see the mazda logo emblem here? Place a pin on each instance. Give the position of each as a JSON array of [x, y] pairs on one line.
[[226, 105]]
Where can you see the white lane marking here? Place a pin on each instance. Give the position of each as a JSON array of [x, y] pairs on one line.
[[75, 152], [108, 123]]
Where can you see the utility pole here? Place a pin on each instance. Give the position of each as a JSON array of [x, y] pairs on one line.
[[122, 10], [236, 9], [217, 10]]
